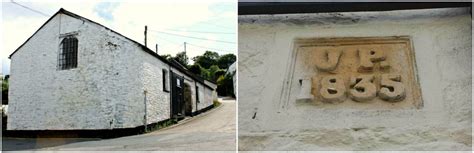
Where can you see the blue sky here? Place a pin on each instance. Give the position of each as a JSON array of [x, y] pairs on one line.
[[212, 20]]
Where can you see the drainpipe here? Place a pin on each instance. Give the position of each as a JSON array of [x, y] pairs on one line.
[[145, 117]]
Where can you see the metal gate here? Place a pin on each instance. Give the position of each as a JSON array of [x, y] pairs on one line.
[[177, 96]]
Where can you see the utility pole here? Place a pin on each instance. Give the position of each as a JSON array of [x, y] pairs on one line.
[[156, 48], [185, 48], [146, 28]]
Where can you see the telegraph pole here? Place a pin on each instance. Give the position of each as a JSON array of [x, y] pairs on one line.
[[156, 48], [184, 47], [146, 28]]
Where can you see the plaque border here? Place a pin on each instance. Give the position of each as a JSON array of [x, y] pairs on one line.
[[337, 41]]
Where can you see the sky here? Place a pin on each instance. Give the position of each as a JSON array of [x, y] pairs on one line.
[[205, 21]]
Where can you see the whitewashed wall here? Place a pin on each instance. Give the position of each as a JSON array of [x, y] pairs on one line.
[[442, 46], [105, 91], [101, 93], [157, 100]]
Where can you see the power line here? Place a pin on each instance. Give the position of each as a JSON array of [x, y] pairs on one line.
[[213, 32], [187, 43], [169, 41], [180, 44], [176, 45], [31, 9], [210, 48], [221, 41]]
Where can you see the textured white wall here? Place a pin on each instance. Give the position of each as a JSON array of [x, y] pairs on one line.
[[105, 91], [442, 46], [158, 101], [201, 104]]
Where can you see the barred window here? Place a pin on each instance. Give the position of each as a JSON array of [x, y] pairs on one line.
[[68, 54]]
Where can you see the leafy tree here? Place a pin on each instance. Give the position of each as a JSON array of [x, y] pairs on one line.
[[211, 66], [219, 73], [182, 58], [166, 56], [195, 68], [205, 73], [226, 60], [206, 60], [212, 72], [224, 85]]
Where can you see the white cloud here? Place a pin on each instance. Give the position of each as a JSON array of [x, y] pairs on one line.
[[132, 17], [129, 19]]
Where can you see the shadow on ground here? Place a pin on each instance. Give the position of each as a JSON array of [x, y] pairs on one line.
[[11, 144]]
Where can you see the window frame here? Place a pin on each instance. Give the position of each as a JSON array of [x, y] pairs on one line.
[[68, 59], [165, 80]]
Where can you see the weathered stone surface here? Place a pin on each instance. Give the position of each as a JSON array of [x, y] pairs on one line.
[[441, 40], [105, 91], [377, 71], [377, 138]]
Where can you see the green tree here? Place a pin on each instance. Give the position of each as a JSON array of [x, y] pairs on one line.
[[219, 73], [224, 85], [205, 73], [195, 68], [206, 60], [226, 60], [212, 72], [166, 56], [181, 58]]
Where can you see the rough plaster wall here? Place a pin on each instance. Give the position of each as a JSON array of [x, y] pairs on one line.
[[212, 91], [158, 101], [201, 103], [208, 97], [192, 85], [442, 46], [203, 100], [105, 91], [101, 93]]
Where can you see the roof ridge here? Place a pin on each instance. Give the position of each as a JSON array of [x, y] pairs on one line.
[[144, 48]]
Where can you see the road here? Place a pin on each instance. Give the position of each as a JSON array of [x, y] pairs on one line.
[[211, 131]]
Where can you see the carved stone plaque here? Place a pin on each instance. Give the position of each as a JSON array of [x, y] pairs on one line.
[[375, 72]]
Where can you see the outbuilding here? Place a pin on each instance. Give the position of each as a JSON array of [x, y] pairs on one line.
[[76, 74]]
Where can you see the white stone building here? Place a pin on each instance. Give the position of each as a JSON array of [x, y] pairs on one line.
[[75, 74]]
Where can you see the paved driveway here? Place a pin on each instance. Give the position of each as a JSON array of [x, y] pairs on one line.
[[213, 130]]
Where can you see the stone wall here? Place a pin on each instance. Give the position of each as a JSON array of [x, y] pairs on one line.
[[113, 80], [100, 93], [441, 40]]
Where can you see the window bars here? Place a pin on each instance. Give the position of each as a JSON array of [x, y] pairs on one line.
[[68, 53]]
